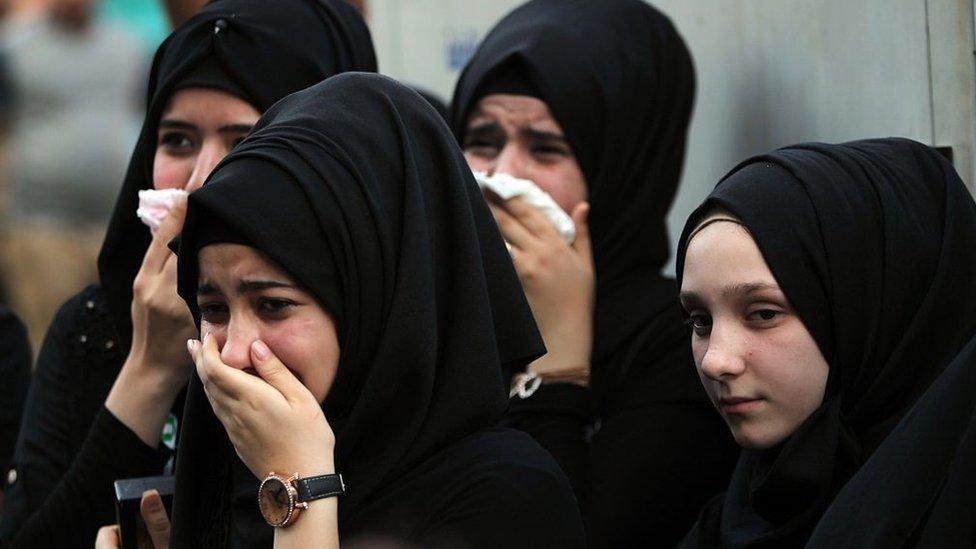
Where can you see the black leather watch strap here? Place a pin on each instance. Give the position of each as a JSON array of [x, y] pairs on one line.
[[322, 486]]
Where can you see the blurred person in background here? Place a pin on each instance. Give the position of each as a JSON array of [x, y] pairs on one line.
[[104, 403], [591, 101], [75, 84]]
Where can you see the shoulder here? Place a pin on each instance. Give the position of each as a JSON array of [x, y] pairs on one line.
[[507, 472], [84, 325]]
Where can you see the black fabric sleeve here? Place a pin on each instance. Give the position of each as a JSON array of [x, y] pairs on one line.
[[66, 459], [84, 499], [15, 365]]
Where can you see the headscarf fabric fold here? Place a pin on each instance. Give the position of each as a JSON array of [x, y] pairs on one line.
[[871, 241], [262, 50], [357, 189]]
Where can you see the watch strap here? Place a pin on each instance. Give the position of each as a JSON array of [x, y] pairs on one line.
[[322, 486]]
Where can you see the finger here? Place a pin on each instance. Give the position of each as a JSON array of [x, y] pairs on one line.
[[154, 515], [108, 537], [159, 251], [512, 231], [531, 218], [226, 381], [581, 218], [275, 373]]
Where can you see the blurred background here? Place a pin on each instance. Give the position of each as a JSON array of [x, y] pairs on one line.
[[770, 73]]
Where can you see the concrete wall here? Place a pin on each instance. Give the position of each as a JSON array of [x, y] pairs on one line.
[[770, 72]]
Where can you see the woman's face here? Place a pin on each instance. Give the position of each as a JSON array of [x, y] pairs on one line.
[[760, 366], [517, 135], [243, 297], [199, 126]]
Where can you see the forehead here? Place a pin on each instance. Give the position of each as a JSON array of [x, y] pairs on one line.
[[723, 253], [515, 110], [210, 105], [225, 260]]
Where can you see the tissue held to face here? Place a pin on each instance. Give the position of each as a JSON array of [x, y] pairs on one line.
[[244, 297], [198, 128], [759, 364], [517, 135]]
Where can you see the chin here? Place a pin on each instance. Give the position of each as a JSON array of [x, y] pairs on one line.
[[754, 439]]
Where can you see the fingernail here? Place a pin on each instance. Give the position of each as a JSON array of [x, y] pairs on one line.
[[191, 345], [153, 501], [260, 349]]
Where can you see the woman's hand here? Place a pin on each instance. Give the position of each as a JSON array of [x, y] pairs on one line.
[[161, 321], [558, 281], [156, 369], [153, 514], [273, 421]]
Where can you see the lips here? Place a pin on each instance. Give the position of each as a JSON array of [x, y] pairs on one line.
[[739, 405]]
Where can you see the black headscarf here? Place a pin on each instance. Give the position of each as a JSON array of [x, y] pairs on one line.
[[620, 82], [357, 188], [263, 50], [871, 241]]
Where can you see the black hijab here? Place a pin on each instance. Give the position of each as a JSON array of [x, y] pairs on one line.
[[619, 80], [263, 50], [871, 241], [357, 188]]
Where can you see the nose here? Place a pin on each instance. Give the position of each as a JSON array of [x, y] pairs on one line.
[[210, 155], [724, 357], [235, 341], [511, 160]]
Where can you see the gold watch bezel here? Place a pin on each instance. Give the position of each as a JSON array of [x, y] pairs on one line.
[[294, 508]]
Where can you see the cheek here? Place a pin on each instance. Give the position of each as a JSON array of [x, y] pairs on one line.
[[564, 182], [793, 372], [477, 163], [170, 172], [300, 345]]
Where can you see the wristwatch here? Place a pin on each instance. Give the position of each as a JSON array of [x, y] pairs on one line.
[[281, 499]]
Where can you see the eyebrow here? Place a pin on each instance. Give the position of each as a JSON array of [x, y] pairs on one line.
[[732, 290], [171, 123], [747, 288], [485, 129], [245, 286], [543, 135]]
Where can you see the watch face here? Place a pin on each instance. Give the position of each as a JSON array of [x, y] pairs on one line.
[[275, 501]]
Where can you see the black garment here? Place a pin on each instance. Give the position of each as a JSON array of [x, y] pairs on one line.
[[871, 241], [357, 189], [917, 488], [624, 106], [269, 50], [15, 374], [70, 449]]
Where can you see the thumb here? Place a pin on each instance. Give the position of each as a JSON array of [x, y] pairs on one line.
[[154, 515], [275, 372], [580, 216]]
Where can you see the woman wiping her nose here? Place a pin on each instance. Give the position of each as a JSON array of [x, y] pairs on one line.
[[591, 102]]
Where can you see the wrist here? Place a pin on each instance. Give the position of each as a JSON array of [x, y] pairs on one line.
[[159, 381]]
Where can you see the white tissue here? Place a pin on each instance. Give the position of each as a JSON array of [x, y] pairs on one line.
[[507, 186], [155, 205]]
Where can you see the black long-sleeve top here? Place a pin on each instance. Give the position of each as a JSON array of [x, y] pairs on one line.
[[644, 460], [70, 448], [15, 364]]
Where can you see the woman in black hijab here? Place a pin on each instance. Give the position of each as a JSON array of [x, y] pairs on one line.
[[355, 193], [591, 101], [209, 83], [868, 248]]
